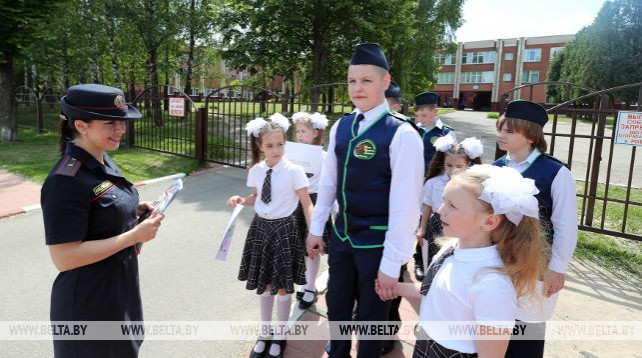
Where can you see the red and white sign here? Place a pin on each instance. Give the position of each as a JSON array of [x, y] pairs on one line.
[[629, 128], [177, 106]]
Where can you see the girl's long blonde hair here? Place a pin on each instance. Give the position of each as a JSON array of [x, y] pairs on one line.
[[522, 248]]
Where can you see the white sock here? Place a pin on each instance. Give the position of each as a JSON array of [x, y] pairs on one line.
[[267, 305], [283, 315], [311, 271]]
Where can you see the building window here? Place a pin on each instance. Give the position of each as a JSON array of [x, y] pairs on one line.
[[446, 77], [478, 57], [443, 59], [554, 51], [530, 76], [532, 55], [508, 56], [477, 77], [507, 77]]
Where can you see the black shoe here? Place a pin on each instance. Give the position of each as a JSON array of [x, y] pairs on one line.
[[419, 272], [388, 346], [299, 295], [267, 341], [304, 305], [281, 342], [404, 267]]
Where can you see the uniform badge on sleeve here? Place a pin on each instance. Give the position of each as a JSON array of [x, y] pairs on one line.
[[366, 149]]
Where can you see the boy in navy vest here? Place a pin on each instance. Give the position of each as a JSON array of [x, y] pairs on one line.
[[374, 169], [520, 132], [430, 128]]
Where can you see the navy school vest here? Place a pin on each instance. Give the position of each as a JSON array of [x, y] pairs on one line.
[[543, 170], [363, 180], [429, 137]]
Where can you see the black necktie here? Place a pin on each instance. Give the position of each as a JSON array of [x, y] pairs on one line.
[[355, 124], [432, 270], [266, 192]]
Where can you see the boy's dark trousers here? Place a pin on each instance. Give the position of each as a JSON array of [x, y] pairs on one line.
[[533, 347], [352, 276]]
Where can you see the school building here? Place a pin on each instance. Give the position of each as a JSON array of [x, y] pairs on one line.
[[480, 71]]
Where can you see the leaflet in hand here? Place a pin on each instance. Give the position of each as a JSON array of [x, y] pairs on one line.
[[229, 233], [306, 155], [161, 204]]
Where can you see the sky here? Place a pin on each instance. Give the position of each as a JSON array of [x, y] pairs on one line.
[[499, 19]]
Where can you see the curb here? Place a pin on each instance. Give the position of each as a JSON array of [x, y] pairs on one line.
[[30, 208]]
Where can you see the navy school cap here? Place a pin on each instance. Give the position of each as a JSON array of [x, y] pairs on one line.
[[526, 110], [369, 54], [425, 98], [94, 101], [393, 90]]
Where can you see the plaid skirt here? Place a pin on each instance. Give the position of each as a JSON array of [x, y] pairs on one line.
[[272, 255], [427, 348], [303, 227]]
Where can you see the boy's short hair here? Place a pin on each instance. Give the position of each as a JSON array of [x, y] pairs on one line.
[[531, 130]]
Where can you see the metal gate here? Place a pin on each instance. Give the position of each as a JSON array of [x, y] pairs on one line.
[[39, 111], [609, 178]]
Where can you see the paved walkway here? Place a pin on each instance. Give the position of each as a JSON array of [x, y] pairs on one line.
[[17, 195]]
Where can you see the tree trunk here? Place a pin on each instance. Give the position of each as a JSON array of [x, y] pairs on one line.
[[190, 54], [153, 76], [111, 29], [8, 106]]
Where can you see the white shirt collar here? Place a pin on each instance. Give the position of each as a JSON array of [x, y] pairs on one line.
[[477, 254], [374, 113], [276, 168], [529, 160]]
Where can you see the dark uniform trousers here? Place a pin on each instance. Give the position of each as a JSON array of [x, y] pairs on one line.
[[528, 348], [352, 276]]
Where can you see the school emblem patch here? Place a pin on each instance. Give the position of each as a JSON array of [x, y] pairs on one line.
[[433, 139], [366, 149], [102, 187]]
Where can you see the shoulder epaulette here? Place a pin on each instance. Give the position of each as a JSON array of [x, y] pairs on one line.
[[405, 119], [555, 159], [68, 166]]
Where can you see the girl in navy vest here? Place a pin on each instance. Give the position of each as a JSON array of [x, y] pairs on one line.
[[450, 158], [495, 254], [310, 129], [520, 132], [272, 261]]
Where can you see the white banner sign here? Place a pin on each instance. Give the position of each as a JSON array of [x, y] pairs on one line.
[[629, 128], [177, 106]]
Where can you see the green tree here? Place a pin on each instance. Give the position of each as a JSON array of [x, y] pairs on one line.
[[316, 37], [607, 53], [19, 24]]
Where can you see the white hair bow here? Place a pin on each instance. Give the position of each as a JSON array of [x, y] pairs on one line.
[[508, 192], [444, 143], [254, 126], [473, 147], [299, 116], [281, 120], [319, 121]]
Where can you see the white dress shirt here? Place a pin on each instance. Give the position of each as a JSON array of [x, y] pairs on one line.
[[564, 215], [434, 191], [407, 166], [287, 178]]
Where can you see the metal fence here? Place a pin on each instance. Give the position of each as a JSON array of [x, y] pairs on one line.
[[582, 133]]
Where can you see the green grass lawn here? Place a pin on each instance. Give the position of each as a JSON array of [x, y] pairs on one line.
[[33, 156]]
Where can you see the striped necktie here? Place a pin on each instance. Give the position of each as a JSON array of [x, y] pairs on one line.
[[432, 269], [266, 191]]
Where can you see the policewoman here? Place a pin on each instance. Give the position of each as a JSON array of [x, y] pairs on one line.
[[90, 213], [374, 169]]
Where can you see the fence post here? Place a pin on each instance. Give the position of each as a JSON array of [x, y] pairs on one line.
[[597, 158], [130, 134], [39, 111], [200, 133]]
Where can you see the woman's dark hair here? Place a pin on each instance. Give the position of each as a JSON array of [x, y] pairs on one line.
[[68, 131], [437, 164]]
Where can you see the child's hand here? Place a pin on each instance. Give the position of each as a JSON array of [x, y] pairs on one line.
[[234, 201]]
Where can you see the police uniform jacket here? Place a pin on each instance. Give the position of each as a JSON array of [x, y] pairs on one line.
[[84, 200]]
